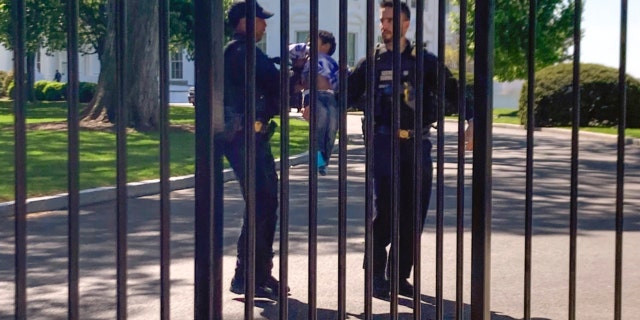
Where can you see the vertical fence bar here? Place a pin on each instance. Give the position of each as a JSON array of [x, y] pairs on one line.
[[121, 155], [20, 158], [204, 191], [73, 164], [528, 229], [418, 141], [573, 208], [284, 161], [622, 125], [395, 160], [165, 174], [462, 111], [209, 68], [250, 165], [482, 160], [440, 161], [217, 165], [342, 162], [529, 160], [368, 141], [313, 164]]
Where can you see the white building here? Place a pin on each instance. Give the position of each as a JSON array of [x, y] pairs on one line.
[[182, 70]]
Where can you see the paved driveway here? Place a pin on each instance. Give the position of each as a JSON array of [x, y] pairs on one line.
[[47, 253]]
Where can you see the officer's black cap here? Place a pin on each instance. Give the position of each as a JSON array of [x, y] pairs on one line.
[[238, 11]]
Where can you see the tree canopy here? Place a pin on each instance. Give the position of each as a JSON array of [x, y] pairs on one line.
[[554, 36], [43, 23]]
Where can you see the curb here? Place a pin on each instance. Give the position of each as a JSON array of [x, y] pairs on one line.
[[134, 190], [151, 187], [627, 141]]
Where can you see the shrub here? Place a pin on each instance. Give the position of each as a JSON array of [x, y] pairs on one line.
[[38, 89], [9, 89], [86, 91], [451, 109], [3, 75], [55, 91], [8, 80], [599, 101]]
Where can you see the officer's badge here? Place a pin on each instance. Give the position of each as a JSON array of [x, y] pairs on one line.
[[409, 95]]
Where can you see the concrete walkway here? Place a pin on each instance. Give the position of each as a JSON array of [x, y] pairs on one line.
[[47, 251]]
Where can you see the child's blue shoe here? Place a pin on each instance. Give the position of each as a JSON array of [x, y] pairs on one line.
[[321, 163]]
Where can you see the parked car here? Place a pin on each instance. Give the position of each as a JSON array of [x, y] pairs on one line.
[[192, 95]]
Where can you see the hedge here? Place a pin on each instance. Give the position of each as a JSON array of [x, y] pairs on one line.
[[7, 83], [451, 109], [599, 97], [3, 75], [55, 91], [46, 90], [38, 89]]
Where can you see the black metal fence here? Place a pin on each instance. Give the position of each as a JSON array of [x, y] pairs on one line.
[[209, 186]]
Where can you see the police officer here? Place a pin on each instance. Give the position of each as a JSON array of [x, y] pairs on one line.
[[267, 104], [382, 139]]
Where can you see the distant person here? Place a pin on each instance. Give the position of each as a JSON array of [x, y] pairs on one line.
[[58, 76], [327, 114]]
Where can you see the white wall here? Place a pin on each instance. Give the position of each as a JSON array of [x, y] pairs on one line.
[[329, 18], [6, 59], [89, 66]]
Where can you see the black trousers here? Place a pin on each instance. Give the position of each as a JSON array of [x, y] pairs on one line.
[[383, 188], [266, 201]]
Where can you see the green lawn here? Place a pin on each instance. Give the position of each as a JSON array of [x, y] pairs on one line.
[[47, 151]]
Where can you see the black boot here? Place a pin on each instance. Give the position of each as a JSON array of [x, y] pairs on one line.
[[405, 288], [381, 288], [268, 288]]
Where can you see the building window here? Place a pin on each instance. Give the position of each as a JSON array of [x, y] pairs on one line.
[[351, 49], [426, 4], [176, 65], [302, 36], [39, 62]]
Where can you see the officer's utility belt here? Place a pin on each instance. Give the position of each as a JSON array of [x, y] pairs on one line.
[[403, 134]]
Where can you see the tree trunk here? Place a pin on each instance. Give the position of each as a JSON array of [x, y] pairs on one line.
[[142, 83], [31, 67], [143, 97], [102, 106]]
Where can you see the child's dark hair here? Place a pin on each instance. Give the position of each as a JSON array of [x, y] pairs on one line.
[[327, 37], [404, 8]]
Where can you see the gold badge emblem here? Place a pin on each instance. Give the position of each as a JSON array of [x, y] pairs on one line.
[[403, 134]]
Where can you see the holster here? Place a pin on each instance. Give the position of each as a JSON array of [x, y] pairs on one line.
[[232, 126]]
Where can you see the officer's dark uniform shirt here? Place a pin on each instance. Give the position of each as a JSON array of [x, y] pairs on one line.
[[267, 81], [383, 93]]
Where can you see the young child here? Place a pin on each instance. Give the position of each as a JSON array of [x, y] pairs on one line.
[[327, 114], [298, 53]]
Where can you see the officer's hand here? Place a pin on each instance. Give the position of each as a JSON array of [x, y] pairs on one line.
[[275, 60], [306, 113], [468, 136]]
